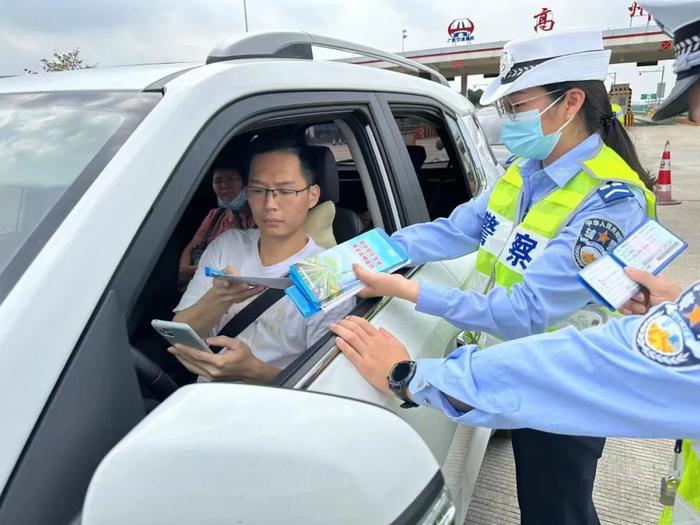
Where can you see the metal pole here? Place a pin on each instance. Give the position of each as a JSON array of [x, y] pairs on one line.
[[403, 39], [245, 15]]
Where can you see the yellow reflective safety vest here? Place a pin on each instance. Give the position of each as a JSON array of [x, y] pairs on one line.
[[509, 249], [686, 508]]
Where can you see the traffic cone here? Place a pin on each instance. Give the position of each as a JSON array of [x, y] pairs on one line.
[[663, 181]]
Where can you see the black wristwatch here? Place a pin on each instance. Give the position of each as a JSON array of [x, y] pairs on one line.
[[399, 378]]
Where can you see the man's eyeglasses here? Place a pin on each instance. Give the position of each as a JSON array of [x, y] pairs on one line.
[[510, 109], [258, 193]]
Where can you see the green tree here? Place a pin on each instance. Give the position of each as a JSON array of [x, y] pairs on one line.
[[63, 62], [474, 95]]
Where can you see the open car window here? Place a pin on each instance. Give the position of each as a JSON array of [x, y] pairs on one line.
[[277, 334], [420, 133], [446, 181]]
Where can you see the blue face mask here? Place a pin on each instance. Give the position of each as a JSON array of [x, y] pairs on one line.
[[523, 136], [234, 204]]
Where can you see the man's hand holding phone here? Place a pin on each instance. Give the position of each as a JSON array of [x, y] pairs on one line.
[[235, 363]]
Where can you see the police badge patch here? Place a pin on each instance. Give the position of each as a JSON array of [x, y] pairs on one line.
[[597, 238], [670, 334]]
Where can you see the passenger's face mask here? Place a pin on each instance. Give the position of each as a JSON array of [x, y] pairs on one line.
[[523, 135], [234, 204]]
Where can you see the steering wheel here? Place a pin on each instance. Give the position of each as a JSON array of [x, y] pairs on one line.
[[155, 383]]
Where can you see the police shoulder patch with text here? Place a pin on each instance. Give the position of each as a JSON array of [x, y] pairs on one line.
[[670, 334], [597, 237]]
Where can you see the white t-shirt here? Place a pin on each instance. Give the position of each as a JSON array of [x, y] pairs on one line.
[[280, 334]]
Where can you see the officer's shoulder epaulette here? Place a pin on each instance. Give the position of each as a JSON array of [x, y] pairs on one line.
[[612, 191], [510, 161]]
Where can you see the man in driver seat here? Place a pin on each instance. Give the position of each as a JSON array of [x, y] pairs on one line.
[[281, 190]]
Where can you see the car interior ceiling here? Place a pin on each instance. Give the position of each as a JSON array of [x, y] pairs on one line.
[[160, 294]]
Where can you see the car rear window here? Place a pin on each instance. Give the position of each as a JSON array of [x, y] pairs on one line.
[[52, 147]]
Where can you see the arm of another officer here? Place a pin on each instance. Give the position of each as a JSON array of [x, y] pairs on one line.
[[595, 382], [445, 238], [604, 381]]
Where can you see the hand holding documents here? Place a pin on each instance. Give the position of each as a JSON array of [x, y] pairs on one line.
[[651, 247], [327, 279]]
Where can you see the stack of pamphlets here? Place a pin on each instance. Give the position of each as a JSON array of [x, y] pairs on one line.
[[327, 279]]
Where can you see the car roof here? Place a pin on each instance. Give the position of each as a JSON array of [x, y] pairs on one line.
[[288, 74], [250, 76], [117, 78]]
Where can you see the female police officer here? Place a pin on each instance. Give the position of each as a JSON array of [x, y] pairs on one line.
[[546, 382], [576, 191]]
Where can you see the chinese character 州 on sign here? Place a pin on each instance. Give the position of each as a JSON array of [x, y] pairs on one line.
[[637, 10], [544, 20]]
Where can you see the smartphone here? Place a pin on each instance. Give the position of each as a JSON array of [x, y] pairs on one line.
[[180, 333]]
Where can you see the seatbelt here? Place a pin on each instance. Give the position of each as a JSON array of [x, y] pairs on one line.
[[251, 312]]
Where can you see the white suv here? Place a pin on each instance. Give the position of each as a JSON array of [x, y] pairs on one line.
[[103, 180]]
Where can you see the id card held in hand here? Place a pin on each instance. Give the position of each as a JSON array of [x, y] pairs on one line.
[[650, 247]]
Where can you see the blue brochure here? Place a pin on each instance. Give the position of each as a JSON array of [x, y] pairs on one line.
[[650, 247], [322, 281]]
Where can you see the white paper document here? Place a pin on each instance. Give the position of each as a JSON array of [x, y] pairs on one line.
[[279, 283], [651, 247]]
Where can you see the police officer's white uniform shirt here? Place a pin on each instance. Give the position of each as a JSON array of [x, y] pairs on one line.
[[280, 334], [634, 377]]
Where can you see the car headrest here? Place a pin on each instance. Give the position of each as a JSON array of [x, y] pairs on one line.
[[418, 156], [326, 172]]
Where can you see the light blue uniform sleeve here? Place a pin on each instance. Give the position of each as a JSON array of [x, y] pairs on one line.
[[550, 291], [445, 238], [593, 382]]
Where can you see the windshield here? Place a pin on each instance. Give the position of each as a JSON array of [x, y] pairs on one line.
[[52, 146]]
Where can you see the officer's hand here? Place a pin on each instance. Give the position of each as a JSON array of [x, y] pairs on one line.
[[374, 352], [230, 292], [378, 284], [656, 290], [235, 363]]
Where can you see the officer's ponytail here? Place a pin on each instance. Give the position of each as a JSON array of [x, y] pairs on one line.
[[597, 116]]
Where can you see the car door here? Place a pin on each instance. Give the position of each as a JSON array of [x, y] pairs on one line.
[[398, 202], [459, 450], [458, 167], [425, 336]]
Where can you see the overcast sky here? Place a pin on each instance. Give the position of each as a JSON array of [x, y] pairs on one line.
[[111, 32]]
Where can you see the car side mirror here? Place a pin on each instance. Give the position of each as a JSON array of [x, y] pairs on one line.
[[234, 453]]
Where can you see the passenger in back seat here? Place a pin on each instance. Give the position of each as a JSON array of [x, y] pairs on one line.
[[232, 212], [281, 190]]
